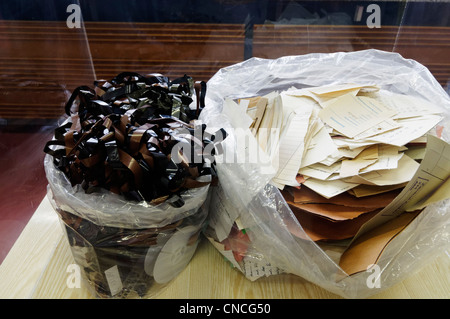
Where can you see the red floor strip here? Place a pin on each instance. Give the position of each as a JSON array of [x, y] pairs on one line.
[[22, 181]]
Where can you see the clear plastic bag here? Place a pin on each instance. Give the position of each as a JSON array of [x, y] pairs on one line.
[[122, 182], [269, 246], [126, 249]]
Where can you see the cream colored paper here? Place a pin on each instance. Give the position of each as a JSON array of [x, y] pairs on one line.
[[291, 150], [328, 188], [407, 106], [351, 153], [320, 171], [339, 89], [385, 126], [432, 173], [352, 144], [265, 125], [292, 142], [443, 192], [324, 95], [352, 115], [259, 113], [274, 132], [416, 152], [388, 157], [353, 166], [368, 190], [319, 148], [403, 173], [326, 100], [411, 129]]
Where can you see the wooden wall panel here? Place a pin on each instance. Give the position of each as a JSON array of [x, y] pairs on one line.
[[198, 50], [41, 62]]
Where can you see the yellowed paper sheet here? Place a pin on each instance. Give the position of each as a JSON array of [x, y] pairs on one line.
[[416, 152], [259, 114], [388, 157], [319, 171], [411, 129], [443, 192], [276, 128], [352, 144], [291, 150], [352, 167], [327, 99], [351, 153], [368, 190], [292, 140], [352, 115], [407, 106], [385, 126], [403, 173], [325, 95], [432, 173], [263, 133], [320, 147], [327, 188], [339, 89]]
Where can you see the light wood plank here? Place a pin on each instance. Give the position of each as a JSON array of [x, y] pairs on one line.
[[37, 265], [31, 253]]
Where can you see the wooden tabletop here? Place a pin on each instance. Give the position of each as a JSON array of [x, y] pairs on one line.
[[36, 267]]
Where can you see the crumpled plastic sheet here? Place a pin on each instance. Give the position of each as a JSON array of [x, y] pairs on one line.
[[263, 210], [103, 207], [126, 249]]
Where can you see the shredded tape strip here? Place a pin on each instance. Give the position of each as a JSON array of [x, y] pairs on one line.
[[120, 136]]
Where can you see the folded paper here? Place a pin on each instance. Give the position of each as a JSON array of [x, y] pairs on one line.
[[367, 249], [352, 115]]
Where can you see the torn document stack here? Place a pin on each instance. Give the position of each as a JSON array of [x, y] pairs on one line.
[[336, 165], [342, 136], [347, 158]]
